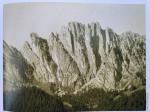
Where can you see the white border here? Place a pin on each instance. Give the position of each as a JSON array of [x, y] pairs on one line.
[[146, 2]]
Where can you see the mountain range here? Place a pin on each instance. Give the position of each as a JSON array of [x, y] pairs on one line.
[[78, 58]]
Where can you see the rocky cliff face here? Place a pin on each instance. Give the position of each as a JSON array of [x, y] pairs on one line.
[[17, 70], [82, 57]]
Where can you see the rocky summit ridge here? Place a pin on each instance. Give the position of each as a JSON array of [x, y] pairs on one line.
[[78, 58]]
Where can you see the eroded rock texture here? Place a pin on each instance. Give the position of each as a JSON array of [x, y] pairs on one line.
[[17, 70], [82, 57]]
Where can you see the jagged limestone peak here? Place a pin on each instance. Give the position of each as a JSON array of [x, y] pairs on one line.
[[87, 53]]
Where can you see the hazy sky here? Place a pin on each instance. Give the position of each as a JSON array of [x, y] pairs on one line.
[[22, 19]]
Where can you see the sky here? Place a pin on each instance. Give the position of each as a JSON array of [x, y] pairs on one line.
[[22, 19]]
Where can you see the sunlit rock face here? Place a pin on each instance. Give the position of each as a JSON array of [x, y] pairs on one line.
[[134, 59], [68, 73], [86, 56], [38, 56]]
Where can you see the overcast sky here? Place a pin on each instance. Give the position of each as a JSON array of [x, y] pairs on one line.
[[22, 19]]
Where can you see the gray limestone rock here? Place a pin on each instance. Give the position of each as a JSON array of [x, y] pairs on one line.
[[17, 70], [81, 57]]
